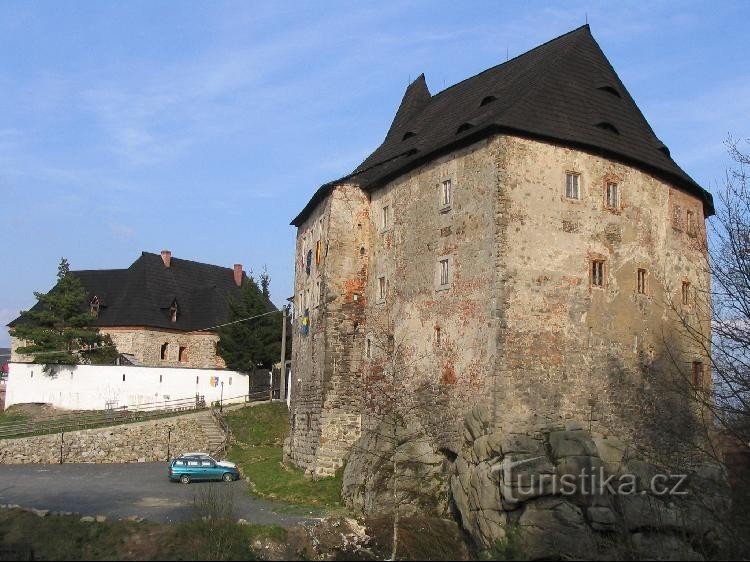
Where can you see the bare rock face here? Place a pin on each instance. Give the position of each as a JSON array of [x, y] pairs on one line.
[[561, 492], [421, 472]]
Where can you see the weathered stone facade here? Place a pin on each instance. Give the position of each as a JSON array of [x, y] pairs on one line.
[[519, 326], [184, 349], [329, 311]]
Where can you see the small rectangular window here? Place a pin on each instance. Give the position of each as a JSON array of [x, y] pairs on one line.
[[698, 379], [438, 336], [597, 273], [385, 217], [368, 348], [123, 377], [691, 223], [444, 272], [685, 293], [381, 288], [641, 283], [677, 217], [613, 200], [572, 186], [445, 198]]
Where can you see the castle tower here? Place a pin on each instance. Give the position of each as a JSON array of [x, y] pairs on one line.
[[530, 240]]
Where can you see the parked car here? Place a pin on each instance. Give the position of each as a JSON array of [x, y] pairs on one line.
[[195, 467]]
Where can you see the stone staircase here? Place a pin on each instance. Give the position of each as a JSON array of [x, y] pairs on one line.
[[212, 431]]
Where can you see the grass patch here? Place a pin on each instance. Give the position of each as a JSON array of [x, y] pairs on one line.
[[259, 433], [67, 538], [11, 417]]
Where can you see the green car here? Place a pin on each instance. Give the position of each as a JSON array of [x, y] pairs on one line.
[[196, 467]]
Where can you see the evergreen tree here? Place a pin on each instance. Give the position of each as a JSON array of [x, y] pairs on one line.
[[59, 330], [249, 343]]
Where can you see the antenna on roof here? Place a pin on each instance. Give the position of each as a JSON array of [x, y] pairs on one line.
[[506, 54], [587, 17]]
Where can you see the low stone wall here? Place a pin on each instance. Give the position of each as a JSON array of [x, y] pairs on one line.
[[136, 442]]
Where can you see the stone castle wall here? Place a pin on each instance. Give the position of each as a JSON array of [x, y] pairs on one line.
[[145, 345], [445, 332], [572, 350], [329, 299], [519, 326]]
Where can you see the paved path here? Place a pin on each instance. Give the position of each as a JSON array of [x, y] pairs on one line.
[[123, 490]]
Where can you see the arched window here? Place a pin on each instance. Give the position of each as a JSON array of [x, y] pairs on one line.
[[94, 306], [488, 99], [408, 135]]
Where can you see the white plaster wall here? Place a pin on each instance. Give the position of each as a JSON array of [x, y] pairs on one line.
[[91, 387]]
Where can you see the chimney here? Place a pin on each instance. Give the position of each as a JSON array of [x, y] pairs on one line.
[[238, 274], [166, 257]]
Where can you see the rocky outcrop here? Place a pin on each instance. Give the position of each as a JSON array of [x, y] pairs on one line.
[[421, 472], [562, 492]]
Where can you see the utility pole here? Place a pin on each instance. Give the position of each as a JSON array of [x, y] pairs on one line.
[[282, 370]]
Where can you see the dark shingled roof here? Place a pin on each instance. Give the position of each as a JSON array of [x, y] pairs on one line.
[[564, 91], [142, 294]]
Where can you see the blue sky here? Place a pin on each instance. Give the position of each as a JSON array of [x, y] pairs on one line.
[[204, 127]]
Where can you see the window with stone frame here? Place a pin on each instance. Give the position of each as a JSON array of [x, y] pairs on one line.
[[698, 375], [573, 185], [612, 195], [382, 288], [444, 272], [385, 217], [163, 351], [446, 193], [641, 287], [686, 293], [597, 273], [182, 355], [690, 223], [677, 217]]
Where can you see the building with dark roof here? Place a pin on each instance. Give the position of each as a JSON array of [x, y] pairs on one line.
[[527, 237], [161, 311]]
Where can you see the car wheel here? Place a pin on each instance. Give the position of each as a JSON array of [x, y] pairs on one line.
[[185, 479], [228, 477]]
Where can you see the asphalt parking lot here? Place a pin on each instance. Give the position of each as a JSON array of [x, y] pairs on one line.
[[119, 491]]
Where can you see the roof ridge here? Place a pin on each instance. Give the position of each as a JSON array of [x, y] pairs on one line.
[[514, 59], [173, 258]]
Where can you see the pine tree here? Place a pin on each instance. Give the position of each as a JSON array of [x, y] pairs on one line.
[[59, 330], [250, 343]]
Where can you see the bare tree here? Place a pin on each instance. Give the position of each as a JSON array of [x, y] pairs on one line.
[[391, 447], [720, 395]]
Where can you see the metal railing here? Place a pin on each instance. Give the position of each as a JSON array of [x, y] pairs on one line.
[[75, 421]]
